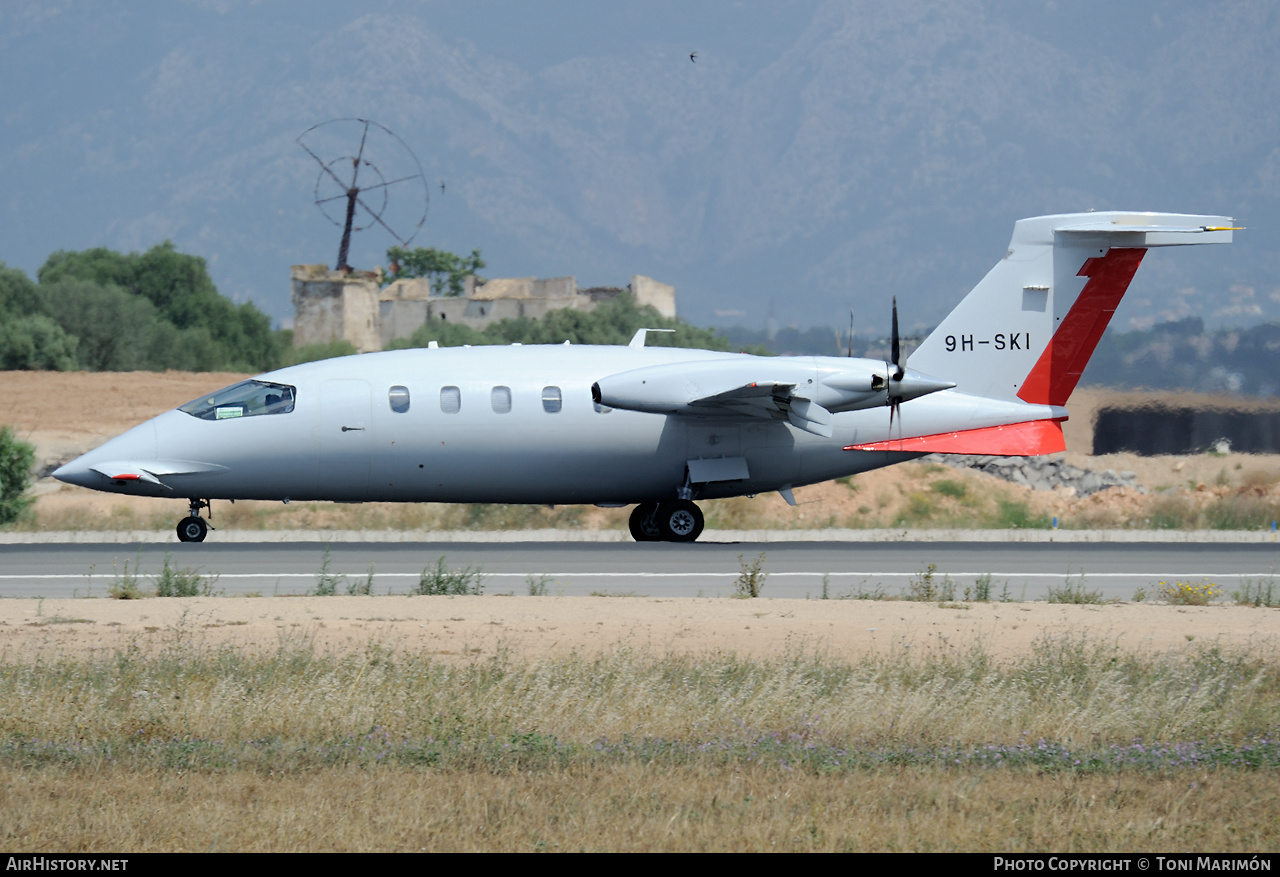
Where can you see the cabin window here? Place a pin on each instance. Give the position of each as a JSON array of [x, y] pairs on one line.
[[450, 400], [398, 397], [245, 399], [500, 398], [551, 400]]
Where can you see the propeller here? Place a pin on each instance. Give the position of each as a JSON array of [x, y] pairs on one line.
[[895, 348], [899, 383], [895, 399], [850, 354]]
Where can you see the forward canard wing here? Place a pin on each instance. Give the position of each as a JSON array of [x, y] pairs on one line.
[[152, 471]]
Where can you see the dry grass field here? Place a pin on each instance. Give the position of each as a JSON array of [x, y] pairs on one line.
[[555, 723]]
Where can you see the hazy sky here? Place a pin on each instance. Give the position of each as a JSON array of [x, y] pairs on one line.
[[817, 155]]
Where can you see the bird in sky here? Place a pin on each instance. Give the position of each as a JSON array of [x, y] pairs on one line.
[[693, 56], [442, 187]]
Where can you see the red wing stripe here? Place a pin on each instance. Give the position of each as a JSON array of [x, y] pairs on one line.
[[128, 476], [1013, 440]]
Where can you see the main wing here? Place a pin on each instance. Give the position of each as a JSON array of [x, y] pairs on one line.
[[805, 391]]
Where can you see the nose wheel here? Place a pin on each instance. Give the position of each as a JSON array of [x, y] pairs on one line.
[[676, 521], [194, 528]]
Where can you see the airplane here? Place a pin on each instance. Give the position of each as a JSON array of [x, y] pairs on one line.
[[658, 427]]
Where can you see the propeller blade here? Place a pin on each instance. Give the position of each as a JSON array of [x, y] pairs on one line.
[[895, 344], [851, 333]]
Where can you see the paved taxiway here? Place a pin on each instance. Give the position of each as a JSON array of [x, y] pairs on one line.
[[1019, 571]]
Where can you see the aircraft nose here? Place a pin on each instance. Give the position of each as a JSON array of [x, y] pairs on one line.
[[138, 443], [76, 472]]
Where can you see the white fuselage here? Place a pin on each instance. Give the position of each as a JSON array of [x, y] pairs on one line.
[[343, 440]]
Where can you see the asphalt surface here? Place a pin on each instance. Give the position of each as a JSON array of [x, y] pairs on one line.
[[1018, 571]]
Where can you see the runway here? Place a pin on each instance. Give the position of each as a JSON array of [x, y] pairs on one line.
[[1017, 571]]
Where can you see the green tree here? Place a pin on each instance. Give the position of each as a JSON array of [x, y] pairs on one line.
[[178, 286], [16, 458], [446, 270], [112, 327], [29, 337], [36, 343], [18, 295]]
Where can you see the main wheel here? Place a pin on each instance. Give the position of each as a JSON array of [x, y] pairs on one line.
[[643, 523], [680, 521], [192, 529]]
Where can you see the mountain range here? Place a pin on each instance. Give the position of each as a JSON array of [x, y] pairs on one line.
[[811, 156]]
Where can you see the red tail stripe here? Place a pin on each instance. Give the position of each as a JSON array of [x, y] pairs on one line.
[[1058, 370]]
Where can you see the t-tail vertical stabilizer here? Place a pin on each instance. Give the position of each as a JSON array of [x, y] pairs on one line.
[[1026, 332]]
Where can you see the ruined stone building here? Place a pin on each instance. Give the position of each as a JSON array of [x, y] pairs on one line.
[[329, 306]]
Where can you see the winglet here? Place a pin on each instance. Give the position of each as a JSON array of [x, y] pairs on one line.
[[637, 340]]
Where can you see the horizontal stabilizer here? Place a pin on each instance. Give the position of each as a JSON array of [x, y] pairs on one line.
[[1027, 330]]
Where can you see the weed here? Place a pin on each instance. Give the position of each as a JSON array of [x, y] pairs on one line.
[[1241, 512], [537, 585], [826, 586], [362, 588], [875, 592], [326, 582], [1140, 595], [751, 576], [183, 582], [125, 584], [1017, 516], [1074, 592], [919, 511], [947, 487], [1172, 512], [1259, 594], [444, 581], [923, 589], [1190, 593], [982, 588]]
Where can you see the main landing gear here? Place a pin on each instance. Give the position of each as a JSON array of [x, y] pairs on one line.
[[676, 521], [193, 528]]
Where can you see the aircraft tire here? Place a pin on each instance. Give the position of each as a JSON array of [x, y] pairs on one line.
[[680, 521], [192, 529], [637, 524]]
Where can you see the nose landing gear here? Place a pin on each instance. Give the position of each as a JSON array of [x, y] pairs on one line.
[[193, 528], [675, 521]]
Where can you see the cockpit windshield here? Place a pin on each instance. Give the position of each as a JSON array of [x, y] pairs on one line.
[[245, 399]]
